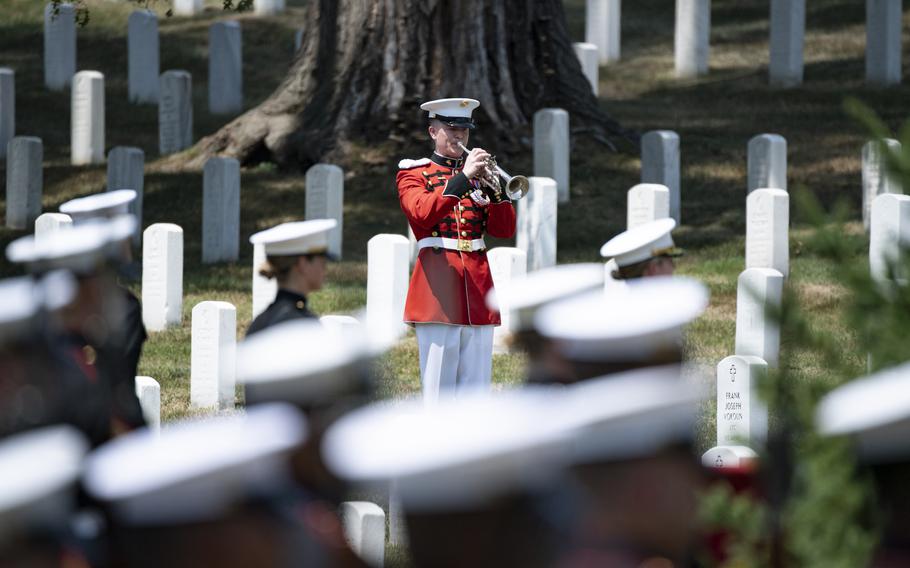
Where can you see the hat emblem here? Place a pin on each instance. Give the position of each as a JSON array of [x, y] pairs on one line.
[[465, 103]]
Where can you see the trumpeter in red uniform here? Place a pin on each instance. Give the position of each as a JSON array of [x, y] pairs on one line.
[[449, 210]]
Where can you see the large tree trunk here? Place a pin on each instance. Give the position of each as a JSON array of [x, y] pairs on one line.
[[366, 65]]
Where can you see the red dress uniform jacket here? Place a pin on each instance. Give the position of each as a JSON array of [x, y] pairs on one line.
[[449, 286]]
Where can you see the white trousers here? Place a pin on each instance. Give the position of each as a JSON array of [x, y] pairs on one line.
[[454, 358]]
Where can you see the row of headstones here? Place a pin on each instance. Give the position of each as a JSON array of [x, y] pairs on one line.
[[260, 7], [742, 418], [144, 83], [87, 126], [788, 27], [221, 195]]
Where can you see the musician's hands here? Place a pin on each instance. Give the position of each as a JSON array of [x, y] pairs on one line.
[[475, 163]]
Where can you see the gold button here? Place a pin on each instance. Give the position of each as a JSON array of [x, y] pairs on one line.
[[461, 207], [90, 355], [435, 234], [300, 304], [463, 233]]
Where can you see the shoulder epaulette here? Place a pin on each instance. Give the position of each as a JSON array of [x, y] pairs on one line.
[[408, 164]]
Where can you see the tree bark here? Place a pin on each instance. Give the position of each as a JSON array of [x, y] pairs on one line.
[[365, 66]]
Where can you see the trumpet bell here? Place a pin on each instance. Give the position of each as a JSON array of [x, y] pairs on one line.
[[517, 187]]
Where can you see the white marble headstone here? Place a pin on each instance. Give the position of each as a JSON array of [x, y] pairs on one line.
[[889, 231], [758, 294], [264, 289], [24, 181], [741, 416], [536, 224], [7, 108], [506, 264], [551, 148], [48, 224], [364, 530], [175, 112], [268, 7], [730, 457], [225, 68], [213, 355], [768, 229], [187, 7], [162, 276], [767, 162], [59, 46], [148, 391], [87, 146], [126, 170], [883, 42], [692, 39], [603, 28], [877, 179], [647, 202], [220, 210], [660, 164], [788, 27], [143, 66], [388, 277], [588, 57], [325, 200]]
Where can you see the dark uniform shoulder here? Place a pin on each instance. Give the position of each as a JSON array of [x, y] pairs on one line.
[[287, 306]]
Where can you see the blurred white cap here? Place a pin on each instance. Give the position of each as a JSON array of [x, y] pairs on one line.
[[641, 243], [99, 205], [196, 470], [303, 361], [82, 249], [630, 415], [629, 323], [455, 455], [524, 296], [874, 411], [38, 472]]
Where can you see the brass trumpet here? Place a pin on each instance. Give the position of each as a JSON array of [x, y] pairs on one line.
[[516, 186]]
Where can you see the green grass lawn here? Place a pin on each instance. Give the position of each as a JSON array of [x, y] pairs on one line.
[[715, 117]]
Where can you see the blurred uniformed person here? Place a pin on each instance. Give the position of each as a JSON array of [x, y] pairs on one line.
[[39, 471], [208, 492], [874, 412], [638, 478], [296, 256], [322, 370], [643, 251], [473, 474], [38, 383], [630, 327], [92, 325], [620, 352], [128, 333], [449, 209]]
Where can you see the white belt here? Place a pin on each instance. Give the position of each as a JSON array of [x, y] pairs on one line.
[[463, 245]]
